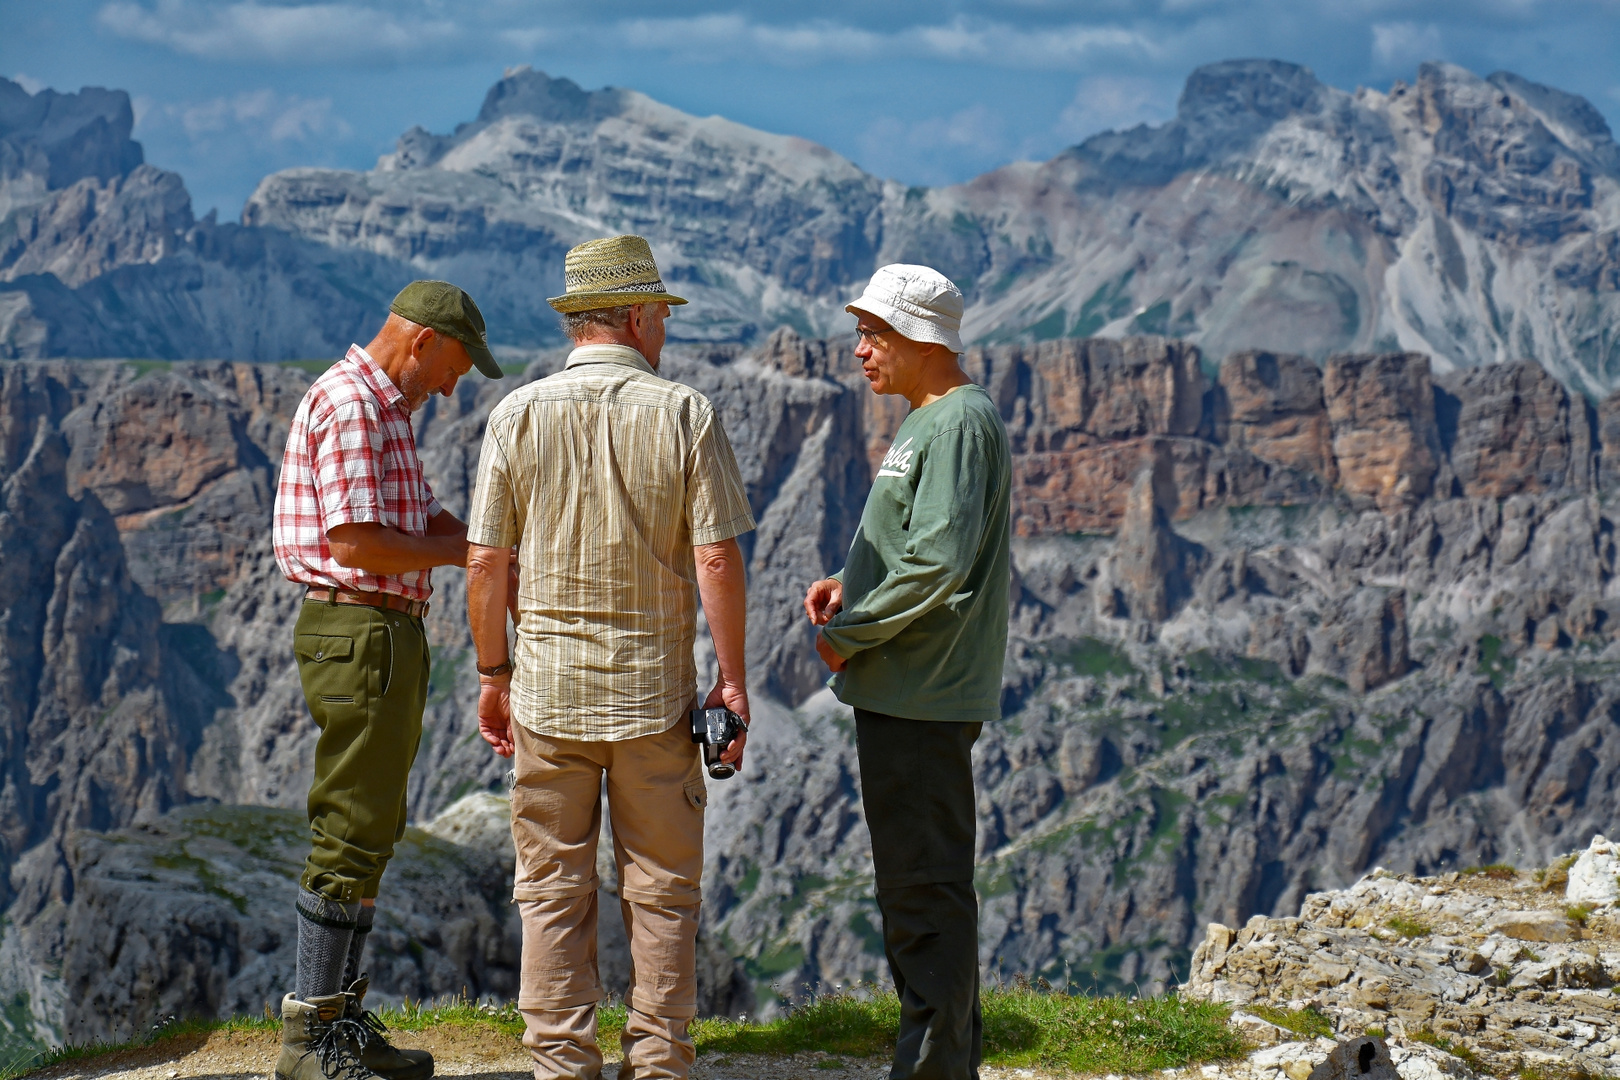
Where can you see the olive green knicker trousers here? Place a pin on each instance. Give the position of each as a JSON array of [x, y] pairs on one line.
[[365, 677]]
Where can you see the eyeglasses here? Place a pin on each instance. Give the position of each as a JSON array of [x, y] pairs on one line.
[[870, 336]]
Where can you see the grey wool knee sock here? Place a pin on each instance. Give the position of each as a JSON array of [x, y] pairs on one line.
[[357, 944], [325, 928]]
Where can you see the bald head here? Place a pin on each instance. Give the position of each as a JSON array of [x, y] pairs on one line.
[[418, 359]]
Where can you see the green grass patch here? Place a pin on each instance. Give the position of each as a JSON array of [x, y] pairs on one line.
[[1090, 656], [1458, 1050], [1578, 914], [1309, 1022], [1492, 663], [1495, 871], [1154, 320], [1555, 878], [1109, 302], [1409, 928], [1023, 1027], [1557, 1072]]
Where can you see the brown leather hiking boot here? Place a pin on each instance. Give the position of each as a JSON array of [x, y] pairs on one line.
[[319, 1041], [375, 1052]]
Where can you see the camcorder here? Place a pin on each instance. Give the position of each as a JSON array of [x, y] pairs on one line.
[[714, 730]]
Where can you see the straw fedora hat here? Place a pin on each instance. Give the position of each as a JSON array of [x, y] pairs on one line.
[[612, 272]]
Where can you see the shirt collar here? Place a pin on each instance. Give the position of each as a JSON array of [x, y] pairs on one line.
[[374, 377], [610, 354]]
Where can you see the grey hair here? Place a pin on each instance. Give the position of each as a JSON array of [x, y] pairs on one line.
[[576, 324]]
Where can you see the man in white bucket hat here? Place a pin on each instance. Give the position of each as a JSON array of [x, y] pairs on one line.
[[914, 629]]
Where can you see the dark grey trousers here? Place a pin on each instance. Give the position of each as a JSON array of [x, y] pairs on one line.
[[917, 787]]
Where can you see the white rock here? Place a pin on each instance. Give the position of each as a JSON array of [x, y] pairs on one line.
[[482, 820], [1593, 878], [1419, 1062], [1285, 1054]]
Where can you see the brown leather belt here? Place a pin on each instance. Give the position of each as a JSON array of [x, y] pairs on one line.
[[417, 609]]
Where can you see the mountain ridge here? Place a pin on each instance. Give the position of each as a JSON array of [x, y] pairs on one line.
[[1473, 219]]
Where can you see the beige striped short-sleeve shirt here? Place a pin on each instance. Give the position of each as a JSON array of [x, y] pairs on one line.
[[605, 475]]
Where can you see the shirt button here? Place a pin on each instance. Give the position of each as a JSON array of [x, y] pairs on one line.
[[319, 654]]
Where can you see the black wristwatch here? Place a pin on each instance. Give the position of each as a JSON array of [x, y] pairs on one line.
[[502, 668]]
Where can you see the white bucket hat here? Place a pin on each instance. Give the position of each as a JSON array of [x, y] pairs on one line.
[[919, 301]]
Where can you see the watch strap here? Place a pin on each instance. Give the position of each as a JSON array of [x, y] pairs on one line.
[[502, 668]]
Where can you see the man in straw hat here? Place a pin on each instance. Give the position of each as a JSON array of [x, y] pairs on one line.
[[621, 493], [358, 527], [914, 628]]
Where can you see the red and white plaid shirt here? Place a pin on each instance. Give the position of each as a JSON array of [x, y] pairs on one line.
[[351, 457]]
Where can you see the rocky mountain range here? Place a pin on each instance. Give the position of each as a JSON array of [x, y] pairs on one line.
[[1320, 574], [1472, 219], [1270, 627]]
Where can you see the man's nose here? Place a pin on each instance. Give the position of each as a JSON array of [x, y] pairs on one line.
[[448, 387], [863, 348]]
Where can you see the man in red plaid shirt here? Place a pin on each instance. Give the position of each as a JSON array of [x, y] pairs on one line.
[[356, 524]]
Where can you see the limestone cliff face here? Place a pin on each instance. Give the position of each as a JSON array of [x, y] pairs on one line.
[[1384, 431], [1468, 219], [1254, 651]]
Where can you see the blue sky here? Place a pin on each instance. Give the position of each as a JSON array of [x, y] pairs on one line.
[[229, 90]]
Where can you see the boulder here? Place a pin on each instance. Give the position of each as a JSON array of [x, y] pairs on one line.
[[1594, 880], [481, 821], [1384, 434], [1354, 1059], [1531, 926]]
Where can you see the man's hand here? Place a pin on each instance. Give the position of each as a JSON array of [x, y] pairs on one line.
[[823, 600], [834, 662], [734, 698], [495, 712]]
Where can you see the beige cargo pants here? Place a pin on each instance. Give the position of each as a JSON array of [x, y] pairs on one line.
[[655, 802]]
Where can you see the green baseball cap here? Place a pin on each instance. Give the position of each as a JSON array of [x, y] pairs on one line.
[[441, 306]]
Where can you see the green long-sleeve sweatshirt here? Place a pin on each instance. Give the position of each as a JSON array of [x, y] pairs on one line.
[[924, 622]]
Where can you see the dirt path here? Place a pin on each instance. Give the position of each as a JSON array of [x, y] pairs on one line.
[[472, 1053]]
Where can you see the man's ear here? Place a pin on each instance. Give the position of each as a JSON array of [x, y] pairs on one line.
[[422, 342]]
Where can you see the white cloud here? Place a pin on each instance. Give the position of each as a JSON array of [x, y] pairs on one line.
[[307, 33], [260, 115], [28, 83], [1105, 102], [932, 150], [1401, 46], [1000, 43], [726, 35], [731, 35]]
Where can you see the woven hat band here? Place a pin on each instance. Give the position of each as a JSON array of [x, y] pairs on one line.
[[611, 278]]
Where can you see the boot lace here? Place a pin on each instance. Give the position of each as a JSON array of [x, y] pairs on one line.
[[334, 1049], [374, 1030]]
